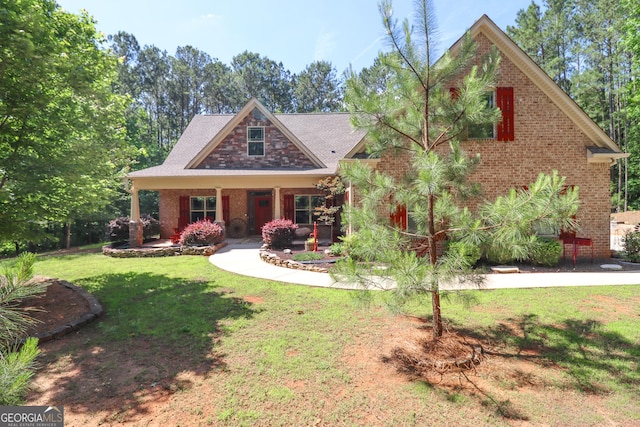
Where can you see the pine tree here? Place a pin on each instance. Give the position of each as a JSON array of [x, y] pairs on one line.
[[418, 116]]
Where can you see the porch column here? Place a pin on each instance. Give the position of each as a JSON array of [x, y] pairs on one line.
[[219, 211], [135, 224], [276, 204]]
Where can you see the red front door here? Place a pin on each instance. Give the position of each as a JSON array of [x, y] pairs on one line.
[[262, 211]]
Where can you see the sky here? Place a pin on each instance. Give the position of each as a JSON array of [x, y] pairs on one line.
[[294, 32]]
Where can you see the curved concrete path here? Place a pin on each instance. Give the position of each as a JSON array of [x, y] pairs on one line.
[[242, 257]]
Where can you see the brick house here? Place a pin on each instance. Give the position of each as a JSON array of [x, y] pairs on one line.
[[247, 169], [255, 166]]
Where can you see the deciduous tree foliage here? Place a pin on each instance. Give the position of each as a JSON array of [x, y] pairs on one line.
[[417, 115], [61, 126]]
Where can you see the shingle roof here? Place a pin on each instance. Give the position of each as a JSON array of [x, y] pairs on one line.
[[329, 136]]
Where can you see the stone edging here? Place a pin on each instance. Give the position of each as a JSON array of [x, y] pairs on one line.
[[271, 258], [161, 252], [95, 311]]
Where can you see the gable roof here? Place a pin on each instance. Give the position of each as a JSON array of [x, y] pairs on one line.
[[235, 121], [546, 84], [325, 138]]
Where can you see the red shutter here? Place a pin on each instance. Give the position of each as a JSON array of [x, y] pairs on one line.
[[399, 217], [453, 91], [289, 207], [184, 212], [504, 101], [225, 209]]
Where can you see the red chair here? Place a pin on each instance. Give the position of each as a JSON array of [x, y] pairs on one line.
[[569, 238]]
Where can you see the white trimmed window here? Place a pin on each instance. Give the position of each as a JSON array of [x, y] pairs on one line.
[[305, 208], [255, 141], [202, 207]]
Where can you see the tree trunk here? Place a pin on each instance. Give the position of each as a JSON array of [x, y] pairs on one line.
[[68, 235], [437, 318], [433, 259]]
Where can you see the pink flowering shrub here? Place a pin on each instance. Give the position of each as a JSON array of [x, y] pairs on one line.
[[278, 233], [202, 233]]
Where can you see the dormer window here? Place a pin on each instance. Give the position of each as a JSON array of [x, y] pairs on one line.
[[255, 141]]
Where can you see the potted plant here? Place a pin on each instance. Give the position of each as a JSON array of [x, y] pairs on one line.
[[308, 244]]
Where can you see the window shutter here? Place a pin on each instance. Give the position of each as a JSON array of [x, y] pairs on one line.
[[184, 212], [504, 101], [289, 207], [453, 91], [399, 217], [225, 209]]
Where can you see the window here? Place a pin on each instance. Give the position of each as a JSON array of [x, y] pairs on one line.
[[403, 219], [255, 141], [202, 207], [305, 208], [483, 131], [504, 131]]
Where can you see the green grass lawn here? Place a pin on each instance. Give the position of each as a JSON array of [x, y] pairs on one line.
[[268, 353]]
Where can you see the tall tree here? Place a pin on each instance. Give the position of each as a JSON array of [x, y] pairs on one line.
[[61, 126], [186, 84], [317, 89], [264, 79], [154, 67], [418, 115]]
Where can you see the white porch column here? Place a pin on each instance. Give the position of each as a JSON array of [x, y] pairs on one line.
[[135, 204], [219, 211], [135, 224], [276, 204]]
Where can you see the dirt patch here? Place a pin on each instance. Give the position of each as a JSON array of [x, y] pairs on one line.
[[61, 309]]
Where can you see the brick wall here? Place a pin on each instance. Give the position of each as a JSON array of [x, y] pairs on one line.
[[545, 140], [238, 204], [279, 152]]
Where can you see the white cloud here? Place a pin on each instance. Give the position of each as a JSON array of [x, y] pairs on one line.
[[325, 46]]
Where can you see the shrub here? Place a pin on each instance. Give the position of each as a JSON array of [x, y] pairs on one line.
[[631, 246], [278, 233], [308, 256], [118, 229], [151, 226], [546, 252], [337, 249], [202, 233]]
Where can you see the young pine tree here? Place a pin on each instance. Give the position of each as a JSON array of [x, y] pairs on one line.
[[418, 116]]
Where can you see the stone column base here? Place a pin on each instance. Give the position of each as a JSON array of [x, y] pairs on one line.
[[135, 234]]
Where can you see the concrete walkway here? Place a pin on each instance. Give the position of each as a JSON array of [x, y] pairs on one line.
[[242, 257]]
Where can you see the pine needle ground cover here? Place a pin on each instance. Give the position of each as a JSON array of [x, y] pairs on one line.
[[184, 343]]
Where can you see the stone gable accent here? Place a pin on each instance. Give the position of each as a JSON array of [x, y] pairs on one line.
[[279, 151]]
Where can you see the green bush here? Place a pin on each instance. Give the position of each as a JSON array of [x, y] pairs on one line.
[[546, 252], [337, 249], [631, 246], [308, 256]]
